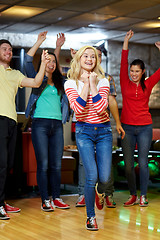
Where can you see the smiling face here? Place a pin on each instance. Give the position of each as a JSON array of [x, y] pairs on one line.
[[88, 60], [51, 65], [136, 73], [5, 53]]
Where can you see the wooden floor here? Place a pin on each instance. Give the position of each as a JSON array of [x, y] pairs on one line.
[[142, 223]]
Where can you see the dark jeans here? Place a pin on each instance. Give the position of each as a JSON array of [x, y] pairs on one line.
[[142, 135], [8, 133], [109, 188], [47, 138]]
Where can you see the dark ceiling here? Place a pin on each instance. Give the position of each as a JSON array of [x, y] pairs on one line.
[[83, 20]]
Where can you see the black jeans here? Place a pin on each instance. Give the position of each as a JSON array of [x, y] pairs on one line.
[[8, 133]]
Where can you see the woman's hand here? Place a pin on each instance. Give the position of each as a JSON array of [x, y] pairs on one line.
[[45, 58], [73, 52], [42, 36], [92, 78], [128, 36], [157, 45], [85, 77], [93, 86], [120, 130], [85, 90], [60, 40]]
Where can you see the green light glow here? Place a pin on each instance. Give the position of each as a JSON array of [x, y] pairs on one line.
[[138, 223], [150, 228], [154, 168], [125, 216]]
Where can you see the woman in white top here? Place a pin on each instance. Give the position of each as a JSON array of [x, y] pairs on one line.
[[87, 90]]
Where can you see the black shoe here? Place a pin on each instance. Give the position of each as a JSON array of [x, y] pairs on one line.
[[46, 206], [3, 214], [91, 224]]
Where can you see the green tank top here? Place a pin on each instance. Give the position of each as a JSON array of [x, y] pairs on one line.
[[49, 104]]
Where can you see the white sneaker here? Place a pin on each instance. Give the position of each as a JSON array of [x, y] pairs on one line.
[[3, 214], [81, 201], [52, 203]]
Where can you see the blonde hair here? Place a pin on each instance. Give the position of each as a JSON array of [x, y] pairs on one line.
[[75, 66]]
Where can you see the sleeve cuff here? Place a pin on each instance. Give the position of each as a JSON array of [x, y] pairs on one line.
[[96, 98], [81, 101]]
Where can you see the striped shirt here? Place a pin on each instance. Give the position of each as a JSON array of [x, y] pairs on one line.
[[93, 110]]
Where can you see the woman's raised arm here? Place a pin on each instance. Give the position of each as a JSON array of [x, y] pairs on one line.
[[128, 36], [40, 40]]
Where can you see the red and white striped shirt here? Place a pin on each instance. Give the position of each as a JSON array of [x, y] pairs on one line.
[[93, 110]]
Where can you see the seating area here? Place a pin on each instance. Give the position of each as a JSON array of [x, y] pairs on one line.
[[156, 134], [155, 146]]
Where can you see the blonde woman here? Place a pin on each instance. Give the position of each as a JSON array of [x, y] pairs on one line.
[[87, 90]]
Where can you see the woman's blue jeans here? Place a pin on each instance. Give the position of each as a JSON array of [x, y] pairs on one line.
[[47, 139], [142, 135], [89, 139]]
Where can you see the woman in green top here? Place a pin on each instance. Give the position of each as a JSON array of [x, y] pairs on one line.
[[47, 128]]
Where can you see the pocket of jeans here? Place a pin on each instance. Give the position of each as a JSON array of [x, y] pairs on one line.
[[79, 130], [107, 129]]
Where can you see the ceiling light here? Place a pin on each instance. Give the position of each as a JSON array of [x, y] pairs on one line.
[[91, 25], [19, 11], [153, 25]]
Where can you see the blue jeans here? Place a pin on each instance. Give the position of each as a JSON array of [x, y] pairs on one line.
[[47, 138], [89, 138], [142, 135], [109, 188]]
